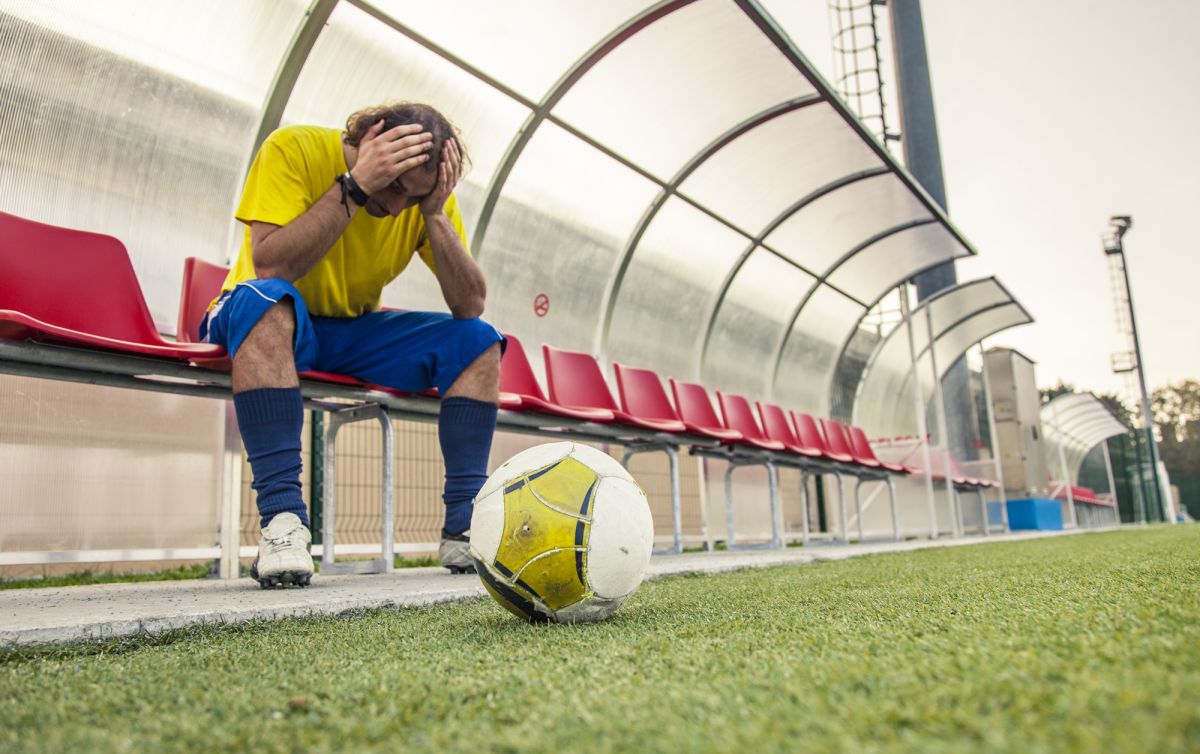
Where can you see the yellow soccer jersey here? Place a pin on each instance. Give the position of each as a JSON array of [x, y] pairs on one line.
[[293, 169]]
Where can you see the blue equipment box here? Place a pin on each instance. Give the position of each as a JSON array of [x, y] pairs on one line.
[[1035, 513]]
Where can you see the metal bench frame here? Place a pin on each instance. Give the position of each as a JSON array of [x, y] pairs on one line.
[[345, 404]]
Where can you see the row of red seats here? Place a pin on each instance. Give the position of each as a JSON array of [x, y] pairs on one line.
[[578, 390], [910, 444], [1081, 494], [80, 289]]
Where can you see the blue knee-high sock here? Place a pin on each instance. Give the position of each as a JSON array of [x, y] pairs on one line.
[[465, 428], [270, 420]]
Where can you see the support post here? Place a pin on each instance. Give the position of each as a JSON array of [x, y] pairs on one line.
[[230, 490], [316, 479], [1066, 473], [804, 527], [676, 504], [842, 507], [918, 398], [1112, 484], [939, 406], [773, 488], [387, 491]]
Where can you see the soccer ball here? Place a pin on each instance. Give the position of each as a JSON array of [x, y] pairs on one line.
[[561, 532]]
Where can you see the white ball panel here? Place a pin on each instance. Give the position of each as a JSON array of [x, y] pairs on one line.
[[621, 539], [600, 462], [524, 462], [487, 525]]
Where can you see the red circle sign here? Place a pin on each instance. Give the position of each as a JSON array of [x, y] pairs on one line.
[[541, 305]]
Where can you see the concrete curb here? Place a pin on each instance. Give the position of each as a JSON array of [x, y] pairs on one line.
[[106, 611]]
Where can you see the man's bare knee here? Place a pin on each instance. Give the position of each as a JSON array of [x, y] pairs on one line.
[[481, 379], [264, 358]]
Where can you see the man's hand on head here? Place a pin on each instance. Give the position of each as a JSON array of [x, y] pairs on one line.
[[383, 156], [449, 173]]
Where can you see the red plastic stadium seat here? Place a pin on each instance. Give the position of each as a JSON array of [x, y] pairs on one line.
[[695, 409], [960, 477], [864, 454], [575, 380], [78, 288], [202, 282], [739, 416], [642, 395], [809, 435], [835, 440], [775, 427], [519, 389]]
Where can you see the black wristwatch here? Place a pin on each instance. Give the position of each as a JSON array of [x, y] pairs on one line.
[[359, 196]]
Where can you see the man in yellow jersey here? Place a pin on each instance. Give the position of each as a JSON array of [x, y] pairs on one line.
[[331, 217]]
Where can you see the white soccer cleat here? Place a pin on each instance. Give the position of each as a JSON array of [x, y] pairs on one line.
[[455, 553], [283, 556]]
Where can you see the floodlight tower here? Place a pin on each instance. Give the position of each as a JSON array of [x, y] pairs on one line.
[[1130, 360]]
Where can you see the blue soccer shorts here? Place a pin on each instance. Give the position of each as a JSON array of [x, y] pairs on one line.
[[409, 351]]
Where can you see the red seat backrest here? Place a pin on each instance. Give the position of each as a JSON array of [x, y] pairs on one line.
[[575, 379], [642, 393], [516, 373], [694, 406], [775, 424], [807, 433], [835, 437], [739, 415], [202, 282], [72, 279], [860, 446]]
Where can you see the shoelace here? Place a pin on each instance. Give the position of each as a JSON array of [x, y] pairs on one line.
[[282, 542]]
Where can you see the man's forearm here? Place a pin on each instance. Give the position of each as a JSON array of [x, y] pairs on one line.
[[290, 251], [462, 282]]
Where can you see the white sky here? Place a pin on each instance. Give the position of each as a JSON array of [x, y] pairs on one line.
[[1054, 115]]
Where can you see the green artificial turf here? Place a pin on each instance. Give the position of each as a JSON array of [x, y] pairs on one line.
[[1074, 644], [83, 578]]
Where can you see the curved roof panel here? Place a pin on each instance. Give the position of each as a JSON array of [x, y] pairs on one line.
[[958, 318], [497, 38], [809, 353], [674, 177], [663, 94], [1076, 423], [756, 177], [823, 231], [700, 176]]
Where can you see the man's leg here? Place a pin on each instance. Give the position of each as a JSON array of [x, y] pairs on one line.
[[413, 351], [258, 325], [465, 427], [266, 394]]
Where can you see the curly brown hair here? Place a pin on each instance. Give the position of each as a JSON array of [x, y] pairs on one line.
[[404, 113]]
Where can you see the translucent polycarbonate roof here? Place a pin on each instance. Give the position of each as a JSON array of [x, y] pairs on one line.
[[1076, 423], [672, 182], [674, 178], [953, 320]]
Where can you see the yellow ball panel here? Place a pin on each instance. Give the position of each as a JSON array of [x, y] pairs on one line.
[[556, 578], [547, 509]]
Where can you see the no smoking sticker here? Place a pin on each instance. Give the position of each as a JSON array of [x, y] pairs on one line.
[[541, 304]]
